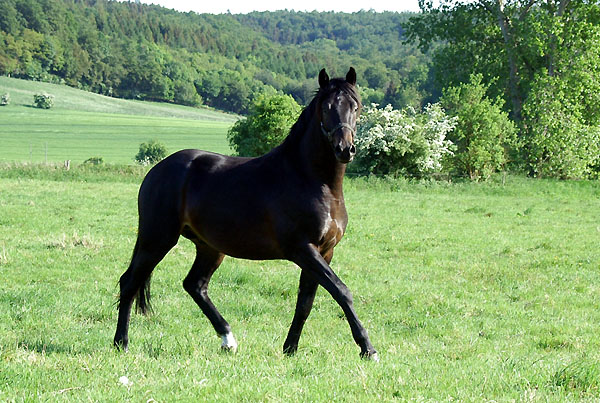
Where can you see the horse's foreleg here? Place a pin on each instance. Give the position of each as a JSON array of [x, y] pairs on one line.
[[306, 296], [309, 259], [196, 284]]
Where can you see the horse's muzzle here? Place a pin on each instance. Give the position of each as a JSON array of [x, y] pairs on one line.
[[345, 154]]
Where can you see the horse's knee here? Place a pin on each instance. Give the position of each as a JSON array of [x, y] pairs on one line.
[[194, 287]]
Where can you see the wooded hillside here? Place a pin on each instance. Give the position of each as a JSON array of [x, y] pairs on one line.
[[141, 51]]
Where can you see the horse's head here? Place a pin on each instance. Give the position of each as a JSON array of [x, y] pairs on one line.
[[338, 111]]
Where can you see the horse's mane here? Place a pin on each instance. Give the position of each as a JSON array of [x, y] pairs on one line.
[[303, 122]]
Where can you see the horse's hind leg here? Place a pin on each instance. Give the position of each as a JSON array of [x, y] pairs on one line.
[[135, 282], [196, 284]]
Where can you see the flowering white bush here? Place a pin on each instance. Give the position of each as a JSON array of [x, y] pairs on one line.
[[404, 141]]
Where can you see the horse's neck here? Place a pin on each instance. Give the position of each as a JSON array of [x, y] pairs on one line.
[[319, 160]]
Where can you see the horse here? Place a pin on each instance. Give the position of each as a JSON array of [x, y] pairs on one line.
[[287, 204]]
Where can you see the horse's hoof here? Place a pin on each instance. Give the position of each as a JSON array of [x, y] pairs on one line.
[[120, 345], [228, 349], [229, 344], [370, 356]]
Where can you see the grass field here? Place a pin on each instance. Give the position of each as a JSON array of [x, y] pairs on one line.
[[84, 125], [473, 292]]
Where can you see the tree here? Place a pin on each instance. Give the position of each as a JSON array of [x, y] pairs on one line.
[[269, 122], [483, 131], [510, 39], [561, 141], [523, 49]]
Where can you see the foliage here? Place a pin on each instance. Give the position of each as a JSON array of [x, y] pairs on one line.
[[5, 99], [483, 131], [269, 122], [519, 47], [43, 101], [391, 141], [561, 116], [560, 142], [132, 50], [150, 153]]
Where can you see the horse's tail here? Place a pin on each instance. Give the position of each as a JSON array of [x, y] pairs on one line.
[[143, 297]]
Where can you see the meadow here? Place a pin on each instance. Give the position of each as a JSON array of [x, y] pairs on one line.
[[469, 291], [83, 125]]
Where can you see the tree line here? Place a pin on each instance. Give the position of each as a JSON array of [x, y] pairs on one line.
[[132, 50]]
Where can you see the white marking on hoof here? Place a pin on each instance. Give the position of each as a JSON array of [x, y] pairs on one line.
[[229, 343], [371, 357]]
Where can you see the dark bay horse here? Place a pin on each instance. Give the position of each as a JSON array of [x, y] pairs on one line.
[[287, 204]]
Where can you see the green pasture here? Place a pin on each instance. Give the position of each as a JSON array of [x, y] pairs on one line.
[[84, 125], [471, 292]]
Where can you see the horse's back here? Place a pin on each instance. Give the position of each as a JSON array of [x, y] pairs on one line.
[[161, 198]]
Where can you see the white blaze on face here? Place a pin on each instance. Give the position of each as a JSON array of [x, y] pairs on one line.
[[229, 342]]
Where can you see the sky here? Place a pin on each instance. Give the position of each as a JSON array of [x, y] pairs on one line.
[[246, 6]]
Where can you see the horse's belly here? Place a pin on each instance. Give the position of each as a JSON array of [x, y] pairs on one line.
[[239, 231]]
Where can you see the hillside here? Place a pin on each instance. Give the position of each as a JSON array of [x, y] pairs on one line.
[[84, 125], [148, 52], [73, 99]]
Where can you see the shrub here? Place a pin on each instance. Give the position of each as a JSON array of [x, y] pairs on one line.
[[43, 100], [269, 122], [483, 131], [151, 153], [94, 161], [5, 99], [404, 141]]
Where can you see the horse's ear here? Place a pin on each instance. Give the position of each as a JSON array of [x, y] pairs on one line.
[[323, 79], [351, 76]]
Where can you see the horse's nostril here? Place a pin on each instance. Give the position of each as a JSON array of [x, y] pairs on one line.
[[338, 149], [352, 149]]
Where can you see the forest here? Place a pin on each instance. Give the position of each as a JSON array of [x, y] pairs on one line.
[[130, 50], [521, 76]]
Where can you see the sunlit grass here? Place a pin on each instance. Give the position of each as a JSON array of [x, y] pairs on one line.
[[84, 125], [469, 292]]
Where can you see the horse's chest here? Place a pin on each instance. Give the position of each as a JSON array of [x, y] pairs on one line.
[[333, 229]]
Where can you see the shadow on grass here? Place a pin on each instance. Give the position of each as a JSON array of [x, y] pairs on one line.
[[47, 348]]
